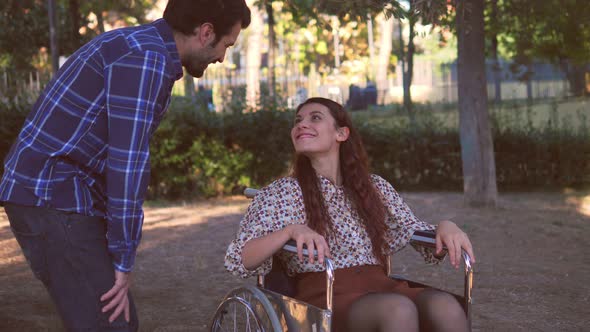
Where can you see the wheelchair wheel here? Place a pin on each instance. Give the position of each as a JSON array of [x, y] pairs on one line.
[[245, 309]]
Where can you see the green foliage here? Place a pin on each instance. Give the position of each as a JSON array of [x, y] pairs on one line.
[[543, 34], [218, 169], [24, 27], [551, 155], [131, 11], [234, 99], [357, 10], [425, 157], [531, 30], [266, 135], [12, 117], [188, 157], [205, 168], [195, 153]]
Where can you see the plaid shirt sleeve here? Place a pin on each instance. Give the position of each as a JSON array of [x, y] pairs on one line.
[[132, 84]]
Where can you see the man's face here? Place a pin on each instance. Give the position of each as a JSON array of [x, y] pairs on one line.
[[199, 58]]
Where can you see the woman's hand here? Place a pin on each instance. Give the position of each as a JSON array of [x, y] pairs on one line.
[[448, 234], [305, 235]]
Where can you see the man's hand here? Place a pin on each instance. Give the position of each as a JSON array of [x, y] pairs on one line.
[[118, 296]]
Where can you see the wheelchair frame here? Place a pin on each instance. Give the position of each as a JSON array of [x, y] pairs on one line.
[[284, 313]]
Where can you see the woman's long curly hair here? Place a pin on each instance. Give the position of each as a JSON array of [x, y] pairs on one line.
[[359, 189]]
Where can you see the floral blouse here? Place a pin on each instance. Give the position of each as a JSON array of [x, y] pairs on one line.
[[281, 203]]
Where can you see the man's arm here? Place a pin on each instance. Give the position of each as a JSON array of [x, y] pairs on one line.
[[132, 87]]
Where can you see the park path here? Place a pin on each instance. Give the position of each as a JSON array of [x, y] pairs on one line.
[[531, 275]]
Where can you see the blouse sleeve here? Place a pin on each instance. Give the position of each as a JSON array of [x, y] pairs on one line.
[[273, 208], [401, 222]]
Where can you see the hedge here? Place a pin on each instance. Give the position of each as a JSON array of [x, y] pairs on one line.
[[195, 153]]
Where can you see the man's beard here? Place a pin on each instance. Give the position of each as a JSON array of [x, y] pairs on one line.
[[198, 73], [196, 69]]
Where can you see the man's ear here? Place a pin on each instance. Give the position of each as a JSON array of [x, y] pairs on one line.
[[205, 33], [342, 134]]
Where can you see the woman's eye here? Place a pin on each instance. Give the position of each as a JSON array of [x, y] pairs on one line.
[[316, 117]]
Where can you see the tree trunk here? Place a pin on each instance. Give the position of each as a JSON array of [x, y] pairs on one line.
[[371, 48], [402, 54], [408, 64], [100, 21], [74, 8], [272, 44], [53, 36], [529, 84], [576, 77], [335, 28], [409, 73], [497, 69], [386, 30], [253, 52], [477, 150]]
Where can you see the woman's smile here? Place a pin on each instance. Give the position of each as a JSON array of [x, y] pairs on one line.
[[304, 135]]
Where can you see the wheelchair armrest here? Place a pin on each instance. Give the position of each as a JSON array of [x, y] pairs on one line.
[[424, 239], [291, 246], [250, 192], [428, 239]]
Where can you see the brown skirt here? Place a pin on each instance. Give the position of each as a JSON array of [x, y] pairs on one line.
[[349, 285]]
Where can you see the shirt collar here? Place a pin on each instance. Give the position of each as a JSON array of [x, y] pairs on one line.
[[329, 189], [168, 36]]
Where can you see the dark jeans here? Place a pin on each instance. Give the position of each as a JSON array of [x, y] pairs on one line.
[[68, 253]]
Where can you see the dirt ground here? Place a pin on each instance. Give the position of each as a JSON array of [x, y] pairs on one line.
[[531, 274]]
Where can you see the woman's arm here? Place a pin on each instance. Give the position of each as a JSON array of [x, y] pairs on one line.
[[258, 250]]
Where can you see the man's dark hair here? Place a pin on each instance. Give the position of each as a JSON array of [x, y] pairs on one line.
[[185, 15]]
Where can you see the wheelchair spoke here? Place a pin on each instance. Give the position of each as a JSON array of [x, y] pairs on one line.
[[245, 310], [235, 318], [248, 321]]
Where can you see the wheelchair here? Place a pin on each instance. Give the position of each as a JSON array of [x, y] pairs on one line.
[[268, 306]]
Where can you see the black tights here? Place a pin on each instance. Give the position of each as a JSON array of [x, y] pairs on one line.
[[433, 311]]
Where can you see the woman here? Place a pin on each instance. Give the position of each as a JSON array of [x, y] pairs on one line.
[[331, 203]]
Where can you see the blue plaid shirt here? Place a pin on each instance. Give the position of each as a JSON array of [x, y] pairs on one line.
[[84, 147]]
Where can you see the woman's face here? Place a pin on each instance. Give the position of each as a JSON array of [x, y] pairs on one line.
[[315, 132]]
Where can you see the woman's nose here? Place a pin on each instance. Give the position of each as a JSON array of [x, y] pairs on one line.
[[301, 124]]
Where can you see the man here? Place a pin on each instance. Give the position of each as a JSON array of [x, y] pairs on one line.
[[76, 177]]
